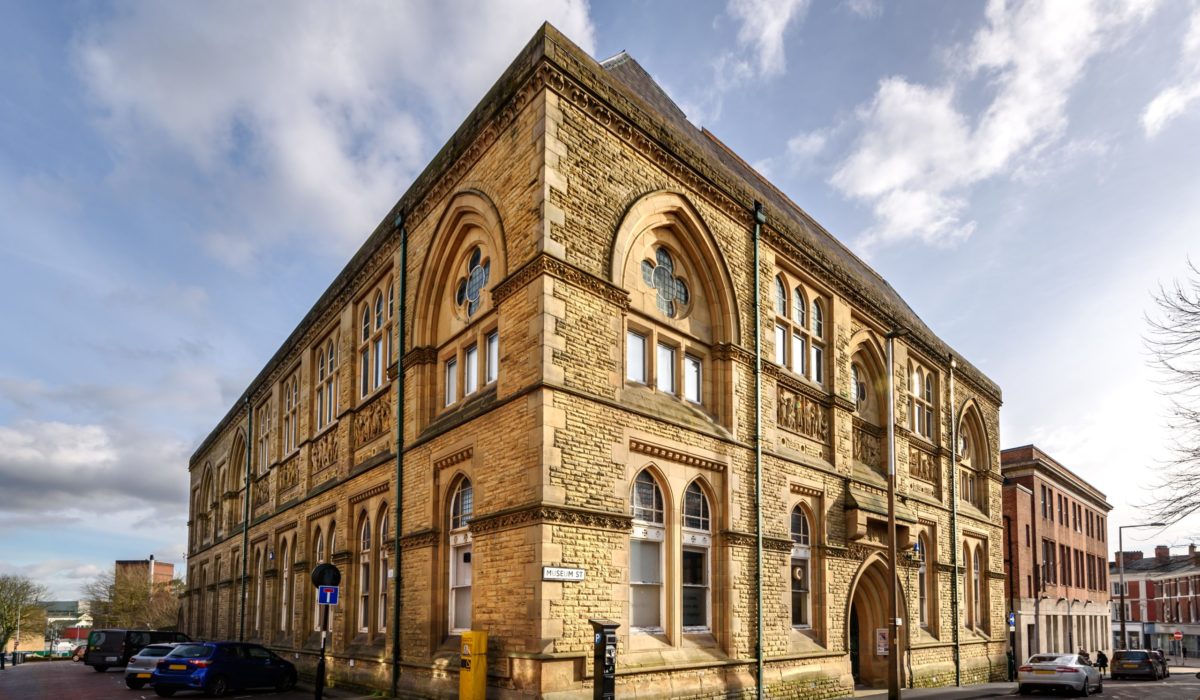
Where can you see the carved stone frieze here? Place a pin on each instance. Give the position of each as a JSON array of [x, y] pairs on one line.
[[324, 451], [373, 491], [734, 538], [801, 414], [868, 446], [551, 514], [262, 491], [922, 465], [289, 474], [729, 351], [424, 355], [373, 420], [667, 453], [419, 540]]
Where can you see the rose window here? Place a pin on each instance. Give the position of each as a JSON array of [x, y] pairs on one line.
[[470, 287], [659, 275]]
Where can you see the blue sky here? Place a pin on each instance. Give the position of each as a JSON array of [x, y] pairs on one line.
[[180, 182]]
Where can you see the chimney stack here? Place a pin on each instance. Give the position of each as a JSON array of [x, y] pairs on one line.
[[1162, 553], [1127, 557]]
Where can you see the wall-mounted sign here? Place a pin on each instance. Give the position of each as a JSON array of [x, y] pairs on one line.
[[881, 641], [561, 573]]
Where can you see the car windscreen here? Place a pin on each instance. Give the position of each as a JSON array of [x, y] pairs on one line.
[[191, 651], [153, 651]]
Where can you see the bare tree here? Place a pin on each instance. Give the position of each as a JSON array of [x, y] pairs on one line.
[[1174, 343], [20, 606], [130, 601]]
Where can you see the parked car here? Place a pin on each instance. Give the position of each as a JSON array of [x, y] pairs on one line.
[[108, 648], [1134, 663], [217, 667], [1058, 672], [137, 672], [1164, 665]]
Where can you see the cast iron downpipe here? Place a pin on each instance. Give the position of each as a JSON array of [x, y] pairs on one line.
[[954, 526], [760, 218], [245, 520], [398, 499]]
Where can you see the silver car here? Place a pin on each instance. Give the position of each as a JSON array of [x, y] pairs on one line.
[[137, 673], [1058, 672]]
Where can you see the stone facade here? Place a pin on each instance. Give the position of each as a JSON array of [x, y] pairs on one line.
[[578, 363]]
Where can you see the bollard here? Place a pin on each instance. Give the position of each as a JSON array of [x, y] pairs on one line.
[[472, 674]]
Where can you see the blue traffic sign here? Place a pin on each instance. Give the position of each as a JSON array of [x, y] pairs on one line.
[[1012, 619], [327, 595]]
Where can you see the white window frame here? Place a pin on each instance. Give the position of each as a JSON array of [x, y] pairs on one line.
[[697, 539], [364, 576], [285, 587], [382, 593], [648, 530], [493, 357], [470, 370], [635, 357], [461, 566], [450, 374], [693, 378], [327, 399], [801, 557]]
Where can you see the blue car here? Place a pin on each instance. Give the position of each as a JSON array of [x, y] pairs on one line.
[[215, 668]]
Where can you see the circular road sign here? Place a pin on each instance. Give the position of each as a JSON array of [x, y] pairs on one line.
[[326, 575]]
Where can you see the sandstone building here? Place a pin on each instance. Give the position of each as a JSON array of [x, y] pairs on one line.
[[1057, 532], [561, 315]]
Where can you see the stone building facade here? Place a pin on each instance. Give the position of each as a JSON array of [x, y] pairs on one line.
[[1057, 529], [565, 298]]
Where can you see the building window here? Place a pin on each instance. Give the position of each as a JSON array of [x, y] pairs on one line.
[[858, 387], [375, 339], [469, 292], [382, 594], [364, 575], [972, 483], [920, 550], [291, 414], [259, 590], [471, 357], [672, 296], [920, 401], [462, 507], [318, 558], [646, 555], [493, 356], [801, 569], [696, 562], [285, 587], [263, 454], [799, 338], [977, 596], [672, 359], [470, 370], [327, 394], [451, 380]]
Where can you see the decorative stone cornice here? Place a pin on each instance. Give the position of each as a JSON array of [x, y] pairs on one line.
[[729, 351], [424, 355], [803, 490], [331, 508], [373, 491], [545, 264], [799, 386], [736, 538], [285, 527], [453, 458], [843, 403], [659, 452], [558, 515], [996, 575], [419, 540]]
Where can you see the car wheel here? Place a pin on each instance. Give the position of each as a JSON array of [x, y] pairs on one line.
[[286, 682], [217, 687], [1022, 690], [99, 669], [163, 692], [1084, 690], [134, 683]]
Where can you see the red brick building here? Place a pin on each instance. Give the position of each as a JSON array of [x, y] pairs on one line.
[[1056, 553], [1162, 597]]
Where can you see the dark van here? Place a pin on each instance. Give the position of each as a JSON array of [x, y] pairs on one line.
[[109, 648]]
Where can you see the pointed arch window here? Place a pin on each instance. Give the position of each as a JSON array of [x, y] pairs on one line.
[[968, 586], [472, 363], [920, 401], [318, 558], [364, 574], [972, 482], [263, 453], [696, 561], [977, 615], [801, 569], [375, 338], [291, 414], [382, 578], [462, 508], [327, 394], [646, 555], [259, 592], [799, 345], [858, 387], [285, 586], [921, 550]]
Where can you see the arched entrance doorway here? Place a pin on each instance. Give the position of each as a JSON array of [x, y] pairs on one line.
[[867, 614]]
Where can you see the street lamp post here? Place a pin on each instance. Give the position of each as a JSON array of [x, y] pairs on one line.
[[1121, 569]]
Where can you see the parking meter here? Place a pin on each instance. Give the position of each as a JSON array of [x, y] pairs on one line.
[[472, 673], [604, 659]]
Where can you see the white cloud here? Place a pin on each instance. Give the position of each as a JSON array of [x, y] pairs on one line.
[[763, 24], [919, 152], [867, 9], [1174, 100], [306, 123]]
